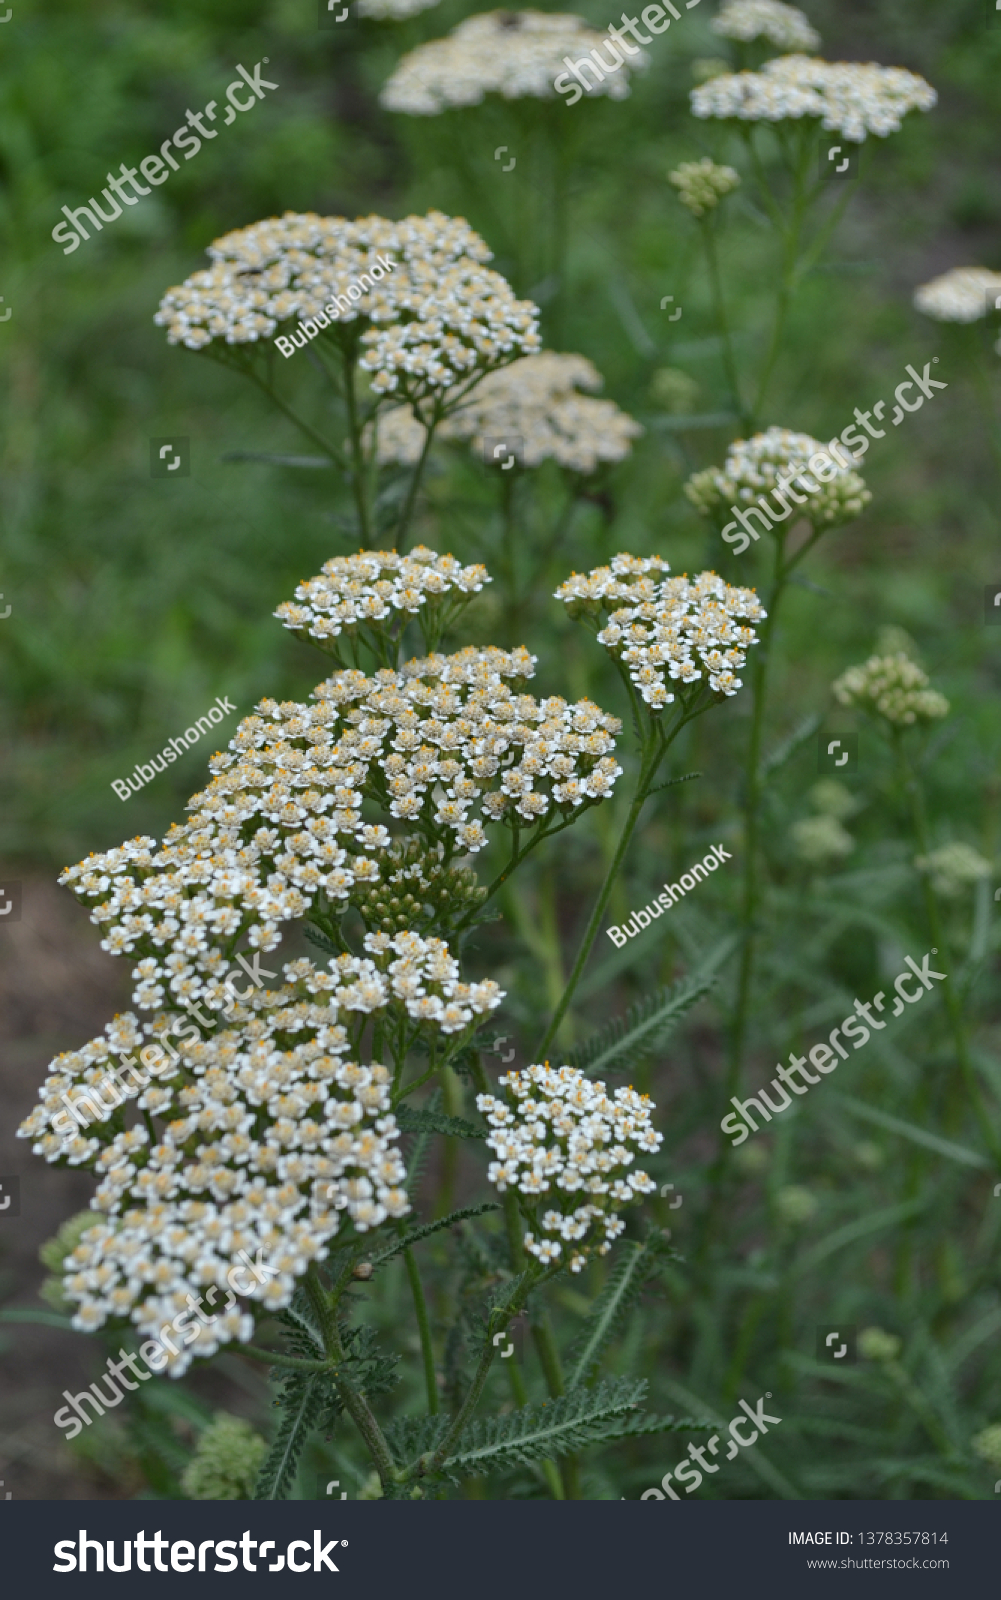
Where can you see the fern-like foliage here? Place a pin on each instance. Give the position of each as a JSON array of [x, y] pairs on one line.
[[412, 1120], [426, 1228], [579, 1418], [634, 1268], [301, 1401], [320, 940], [411, 1437], [625, 1040]]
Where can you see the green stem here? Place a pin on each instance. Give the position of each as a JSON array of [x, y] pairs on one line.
[[790, 232], [501, 1316], [954, 1010], [653, 753], [750, 887], [354, 1402], [424, 1327], [358, 474], [304, 427], [407, 513], [722, 320], [274, 1358]]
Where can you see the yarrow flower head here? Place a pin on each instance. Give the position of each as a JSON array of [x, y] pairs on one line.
[[370, 592], [819, 840], [661, 628], [534, 400], [566, 1147], [701, 185], [768, 463], [963, 295], [846, 97], [987, 1445], [260, 1141], [444, 743], [784, 26], [893, 688], [952, 868], [515, 54], [440, 315]]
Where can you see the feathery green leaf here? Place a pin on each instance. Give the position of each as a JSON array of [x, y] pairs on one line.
[[556, 1428], [414, 1120], [426, 1228], [625, 1040], [300, 1401], [636, 1265]]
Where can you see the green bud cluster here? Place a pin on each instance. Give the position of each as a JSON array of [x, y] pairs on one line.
[[417, 890]]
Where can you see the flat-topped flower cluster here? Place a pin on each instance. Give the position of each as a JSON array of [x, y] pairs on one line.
[[263, 1134], [534, 401], [510, 53], [772, 461], [352, 591], [782, 25], [685, 629], [891, 687], [847, 97], [963, 295], [445, 742], [557, 1135], [438, 317]]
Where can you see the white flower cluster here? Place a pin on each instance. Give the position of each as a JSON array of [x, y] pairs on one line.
[[663, 628], [265, 1134], [753, 468], [437, 317], [784, 26], [510, 53], [953, 867], [392, 10], [701, 185], [558, 1135], [454, 736], [282, 819], [373, 585], [963, 295], [818, 840], [849, 97], [533, 400], [892, 687]]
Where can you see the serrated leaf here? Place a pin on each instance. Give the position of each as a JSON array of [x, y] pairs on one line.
[[300, 1402], [320, 940], [426, 1228], [634, 1268], [556, 1428], [670, 782], [627, 1039], [414, 1120]]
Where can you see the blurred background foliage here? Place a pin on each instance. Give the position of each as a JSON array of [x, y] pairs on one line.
[[136, 600]]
